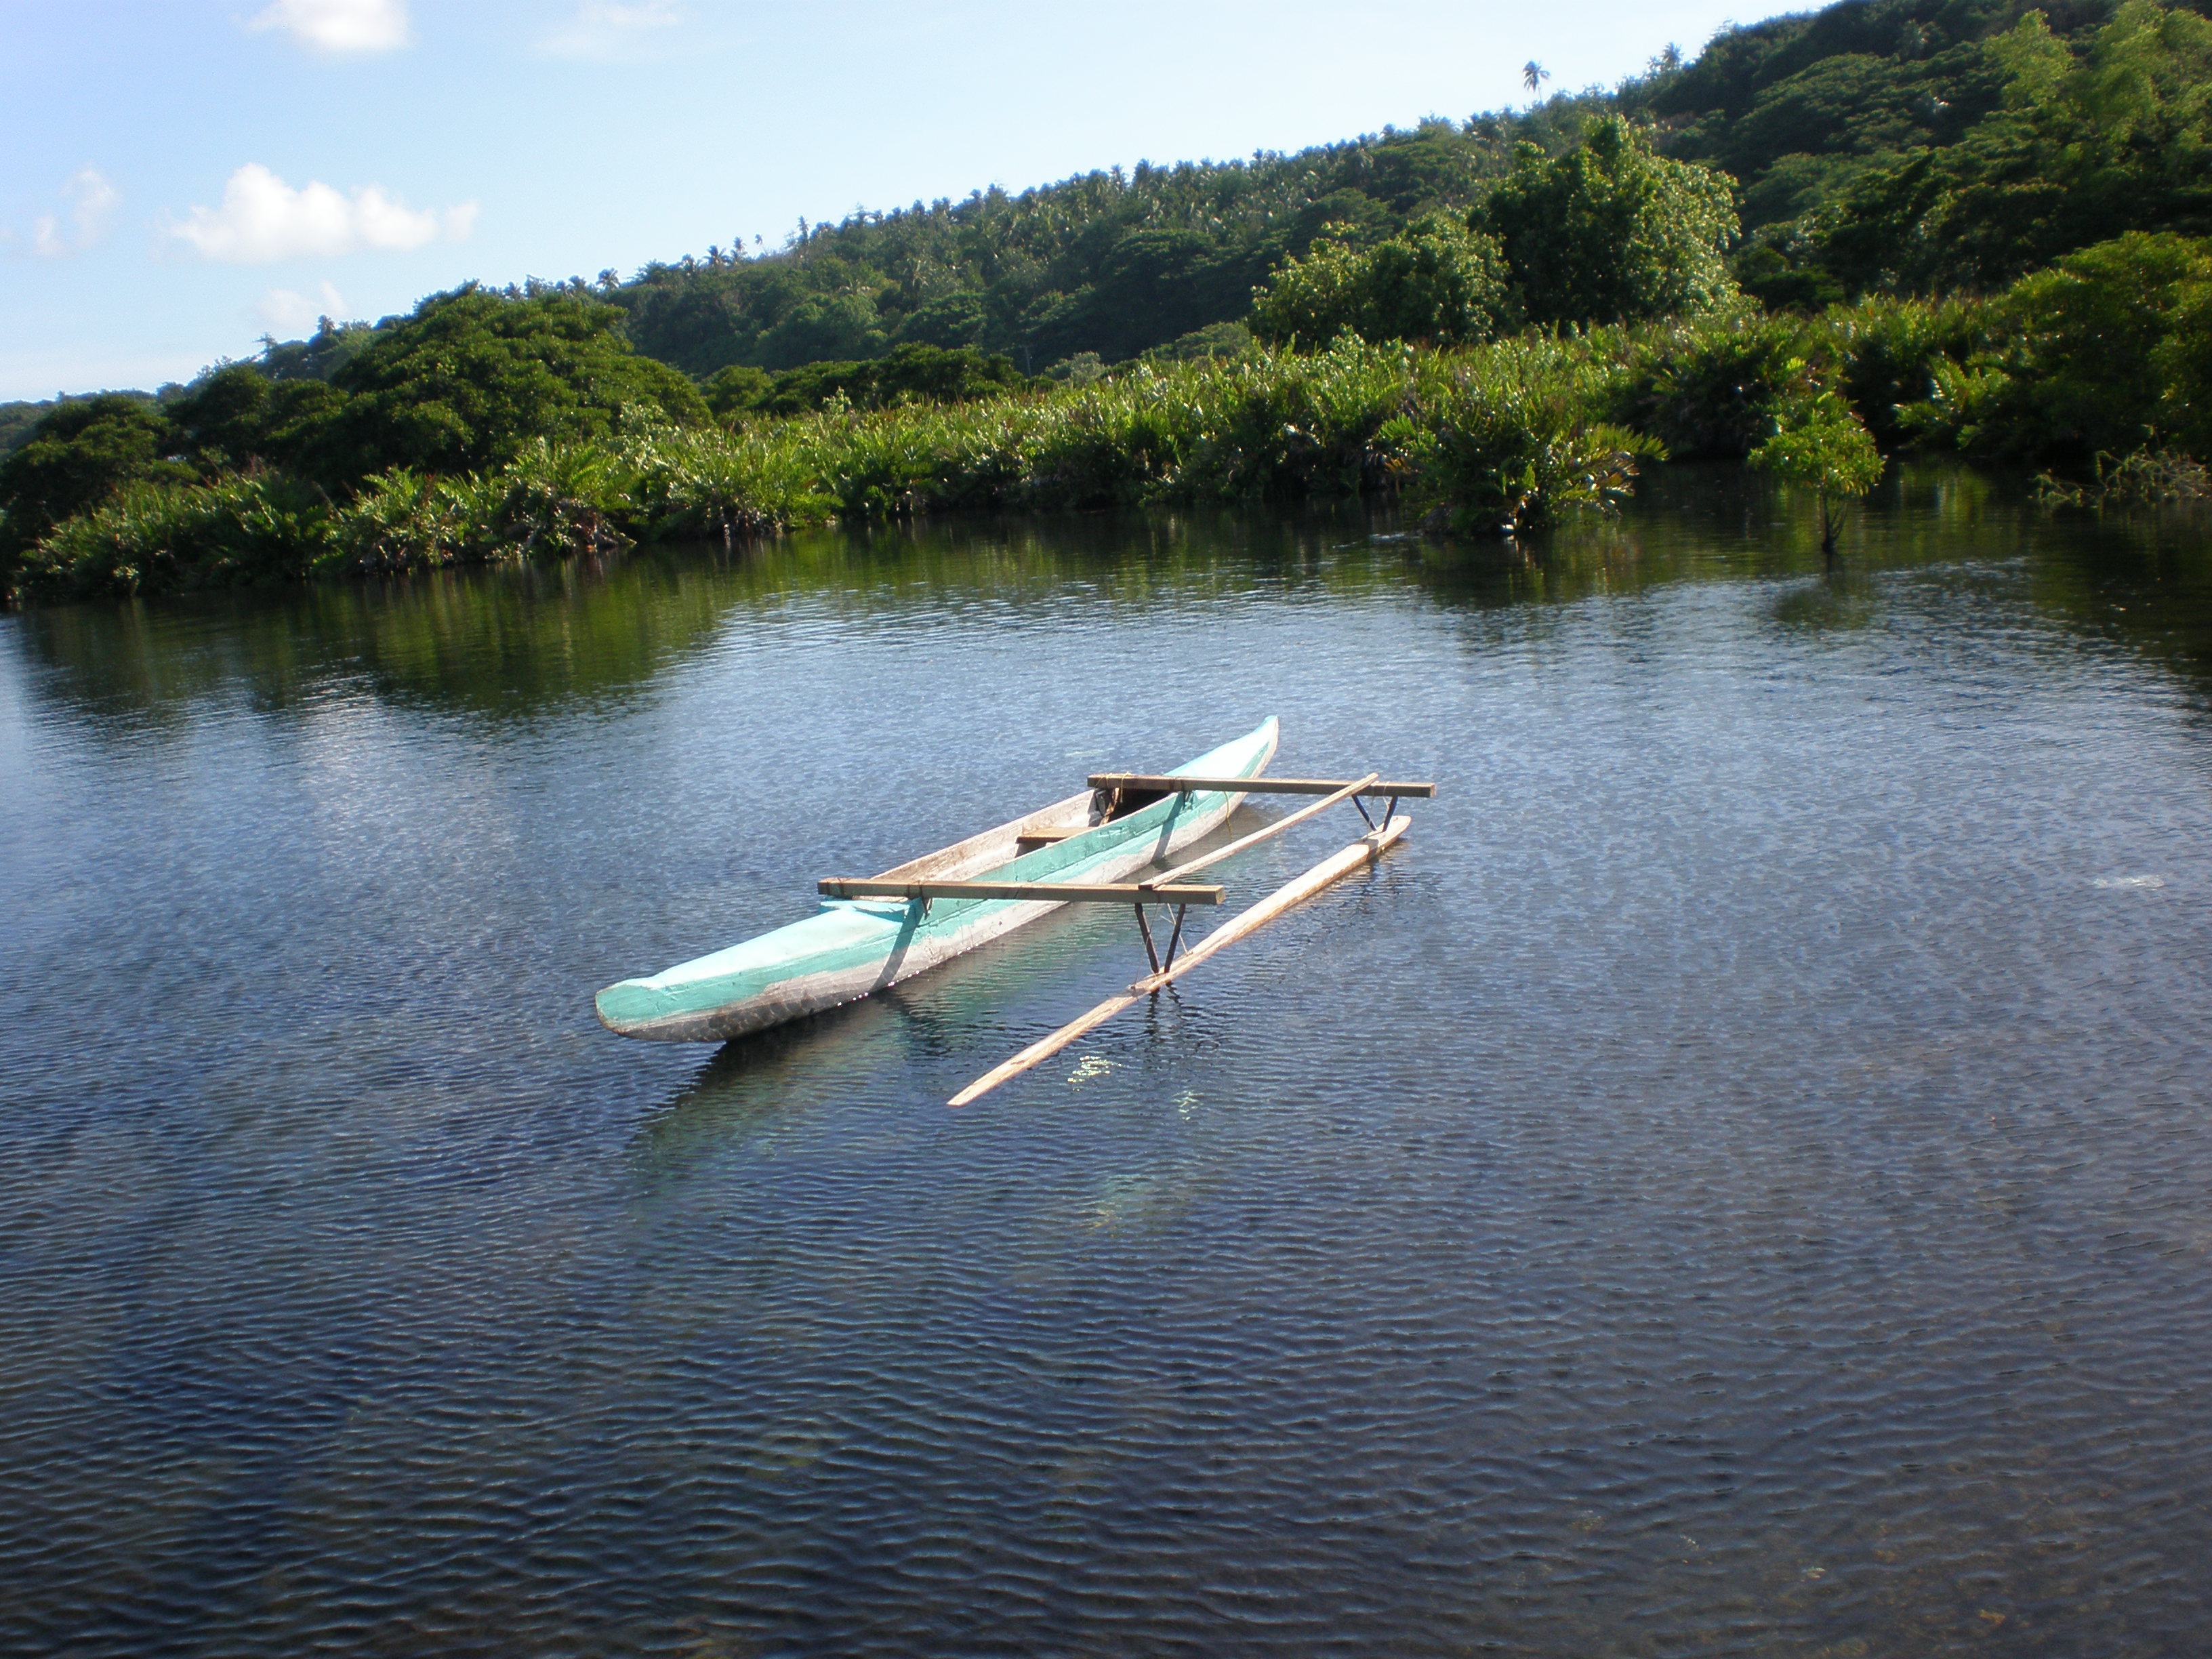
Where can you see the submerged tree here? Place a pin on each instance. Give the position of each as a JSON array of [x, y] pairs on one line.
[[1828, 450]]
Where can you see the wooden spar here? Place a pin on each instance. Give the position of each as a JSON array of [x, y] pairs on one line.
[[1363, 851], [1366, 850], [1167, 783], [1052, 892], [1266, 832]]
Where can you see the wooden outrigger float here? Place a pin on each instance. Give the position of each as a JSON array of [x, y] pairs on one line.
[[1364, 851], [871, 932]]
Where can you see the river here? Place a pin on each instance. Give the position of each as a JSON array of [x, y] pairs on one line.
[[1737, 1179]]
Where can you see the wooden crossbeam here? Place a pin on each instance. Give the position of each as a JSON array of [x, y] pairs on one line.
[[1032, 839], [1266, 832], [1364, 851], [1169, 783], [1051, 893]]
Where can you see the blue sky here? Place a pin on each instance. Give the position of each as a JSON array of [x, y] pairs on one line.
[[182, 177]]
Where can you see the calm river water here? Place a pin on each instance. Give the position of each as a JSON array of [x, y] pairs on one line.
[[1737, 1180]]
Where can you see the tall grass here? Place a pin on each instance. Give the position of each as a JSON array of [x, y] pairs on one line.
[[1502, 436], [239, 531]]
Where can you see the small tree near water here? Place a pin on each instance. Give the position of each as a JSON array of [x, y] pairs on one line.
[[1830, 450]]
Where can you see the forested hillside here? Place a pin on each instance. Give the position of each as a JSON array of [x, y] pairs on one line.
[[1898, 145], [1866, 139]]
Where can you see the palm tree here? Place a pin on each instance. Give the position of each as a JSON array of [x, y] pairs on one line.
[[1534, 74]]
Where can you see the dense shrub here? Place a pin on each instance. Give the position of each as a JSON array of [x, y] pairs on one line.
[[2084, 150], [471, 378], [1893, 356], [1504, 441], [1435, 281], [2107, 350], [1504, 434], [239, 418], [76, 458], [1611, 231], [1717, 388], [908, 374], [166, 538]]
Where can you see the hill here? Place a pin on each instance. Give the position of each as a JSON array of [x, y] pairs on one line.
[[1800, 110]]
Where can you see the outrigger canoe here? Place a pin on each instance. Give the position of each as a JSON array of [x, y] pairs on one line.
[[852, 946]]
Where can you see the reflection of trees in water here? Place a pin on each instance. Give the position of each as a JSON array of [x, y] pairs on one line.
[[504, 642], [2141, 580], [509, 643]]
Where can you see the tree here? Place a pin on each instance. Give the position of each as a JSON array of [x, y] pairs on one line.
[[1611, 231], [470, 376], [2104, 357], [1534, 74], [2082, 151], [736, 391], [238, 418], [1435, 281], [1827, 450], [907, 375], [76, 458]]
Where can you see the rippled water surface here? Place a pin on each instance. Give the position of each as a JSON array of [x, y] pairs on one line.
[[1736, 1180]]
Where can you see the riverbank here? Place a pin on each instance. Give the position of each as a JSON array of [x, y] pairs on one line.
[[1500, 437]]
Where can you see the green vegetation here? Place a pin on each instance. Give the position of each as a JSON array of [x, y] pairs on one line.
[[1611, 231], [471, 377], [2111, 351], [2083, 148], [1889, 225], [75, 457], [1504, 434], [1436, 282], [1875, 146], [909, 374], [1831, 452]]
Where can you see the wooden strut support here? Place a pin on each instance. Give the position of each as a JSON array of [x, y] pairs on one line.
[[1144, 927], [1333, 869], [1169, 783]]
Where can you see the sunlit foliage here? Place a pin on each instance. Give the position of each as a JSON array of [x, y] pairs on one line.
[[1612, 232], [1435, 281]]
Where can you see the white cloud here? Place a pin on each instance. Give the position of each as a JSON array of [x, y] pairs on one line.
[[339, 25], [283, 312], [262, 219], [92, 198], [610, 28]]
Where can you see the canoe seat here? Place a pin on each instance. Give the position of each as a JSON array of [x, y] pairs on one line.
[[1028, 841]]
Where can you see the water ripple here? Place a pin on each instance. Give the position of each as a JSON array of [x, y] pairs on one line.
[[1728, 1184]]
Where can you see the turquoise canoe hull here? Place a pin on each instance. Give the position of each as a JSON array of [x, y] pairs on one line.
[[851, 947]]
